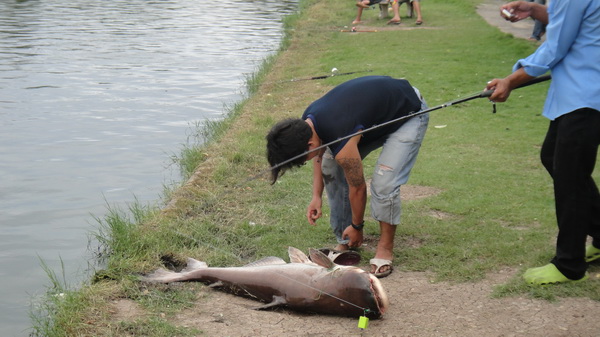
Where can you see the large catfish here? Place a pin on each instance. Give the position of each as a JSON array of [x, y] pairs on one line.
[[316, 285]]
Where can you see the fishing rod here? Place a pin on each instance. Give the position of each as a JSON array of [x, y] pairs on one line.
[[485, 93], [333, 74], [482, 94]]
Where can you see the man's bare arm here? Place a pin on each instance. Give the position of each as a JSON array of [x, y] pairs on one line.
[[349, 159]]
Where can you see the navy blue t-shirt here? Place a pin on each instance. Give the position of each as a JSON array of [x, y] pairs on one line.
[[360, 104]]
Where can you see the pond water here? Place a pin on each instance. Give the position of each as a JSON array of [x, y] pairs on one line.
[[95, 97]]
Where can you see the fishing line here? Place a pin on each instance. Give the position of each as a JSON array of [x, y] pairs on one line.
[[486, 93], [333, 74], [366, 310], [325, 293]]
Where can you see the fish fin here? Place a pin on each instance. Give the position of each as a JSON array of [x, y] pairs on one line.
[[297, 256], [193, 264], [277, 301], [269, 260], [319, 258], [217, 284]]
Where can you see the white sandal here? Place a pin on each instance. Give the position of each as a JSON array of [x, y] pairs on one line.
[[378, 263]]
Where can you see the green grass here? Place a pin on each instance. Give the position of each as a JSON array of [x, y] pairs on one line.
[[495, 208]]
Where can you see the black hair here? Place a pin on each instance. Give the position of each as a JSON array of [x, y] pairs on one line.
[[287, 139]]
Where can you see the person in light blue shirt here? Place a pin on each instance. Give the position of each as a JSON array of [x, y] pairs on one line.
[[571, 53]]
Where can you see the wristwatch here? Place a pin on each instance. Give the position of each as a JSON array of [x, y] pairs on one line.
[[359, 227]]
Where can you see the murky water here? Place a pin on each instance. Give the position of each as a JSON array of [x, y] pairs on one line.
[[95, 96]]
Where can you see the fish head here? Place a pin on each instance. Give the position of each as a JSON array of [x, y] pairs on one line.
[[366, 291], [344, 289], [351, 291], [381, 299]]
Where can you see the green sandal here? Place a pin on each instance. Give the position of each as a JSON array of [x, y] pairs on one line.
[[546, 275], [592, 253]]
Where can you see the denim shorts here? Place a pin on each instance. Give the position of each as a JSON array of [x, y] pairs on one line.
[[397, 158]]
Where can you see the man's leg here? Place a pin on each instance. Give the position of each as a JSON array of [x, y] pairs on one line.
[[393, 168], [396, 9], [385, 247], [417, 8], [569, 154], [575, 189], [358, 16]]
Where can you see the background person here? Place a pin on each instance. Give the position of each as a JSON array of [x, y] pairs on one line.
[[539, 28], [416, 6]]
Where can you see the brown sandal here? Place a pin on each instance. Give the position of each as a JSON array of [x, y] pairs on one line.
[[344, 258]]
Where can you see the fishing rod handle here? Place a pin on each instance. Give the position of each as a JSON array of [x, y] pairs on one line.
[[488, 93], [535, 81]]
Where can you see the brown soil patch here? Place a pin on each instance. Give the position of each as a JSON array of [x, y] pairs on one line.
[[412, 192], [415, 192]]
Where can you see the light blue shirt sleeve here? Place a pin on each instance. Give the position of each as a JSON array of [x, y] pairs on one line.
[[572, 53], [554, 50]]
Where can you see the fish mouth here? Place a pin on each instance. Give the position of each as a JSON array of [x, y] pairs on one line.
[[381, 298]]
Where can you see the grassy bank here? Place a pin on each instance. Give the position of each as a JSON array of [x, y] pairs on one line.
[[494, 208]]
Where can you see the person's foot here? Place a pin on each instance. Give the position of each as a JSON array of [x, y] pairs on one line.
[[381, 264], [381, 267], [393, 22], [356, 22], [592, 253], [546, 275], [419, 22]]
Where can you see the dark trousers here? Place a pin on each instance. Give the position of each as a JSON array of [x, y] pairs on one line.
[[569, 154]]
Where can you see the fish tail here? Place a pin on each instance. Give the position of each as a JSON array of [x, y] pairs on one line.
[[166, 276], [162, 276], [193, 264]]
